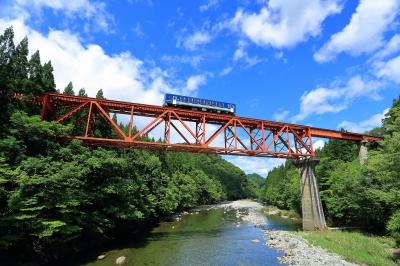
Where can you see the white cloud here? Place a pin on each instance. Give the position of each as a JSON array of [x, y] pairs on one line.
[[93, 12], [364, 33], [319, 144], [196, 40], [281, 115], [363, 126], [390, 69], [241, 54], [333, 100], [391, 47], [121, 76], [194, 61], [257, 165], [284, 23], [209, 4], [194, 82], [225, 71]]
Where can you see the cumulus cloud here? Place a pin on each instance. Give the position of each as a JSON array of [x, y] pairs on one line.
[[390, 48], [284, 23], [365, 31], [241, 54], [333, 100], [319, 144], [194, 82], [122, 76], [94, 13], [365, 125], [197, 39], [281, 115], [390, 69]]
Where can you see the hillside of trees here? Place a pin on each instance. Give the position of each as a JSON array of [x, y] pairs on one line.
[[54, 197], [365, 196]]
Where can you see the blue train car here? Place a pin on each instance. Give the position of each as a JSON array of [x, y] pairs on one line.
[[199, 104]]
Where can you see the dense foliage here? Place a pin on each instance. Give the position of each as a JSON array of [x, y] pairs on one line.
[[53, 195], [352, 195]]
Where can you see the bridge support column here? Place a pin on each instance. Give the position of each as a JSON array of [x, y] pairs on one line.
[[311, 206], [363, 153]]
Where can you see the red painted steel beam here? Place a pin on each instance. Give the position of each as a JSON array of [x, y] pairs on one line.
[[264, 138], [188, 115]]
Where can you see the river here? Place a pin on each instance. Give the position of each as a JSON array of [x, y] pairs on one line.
[[213, 235]]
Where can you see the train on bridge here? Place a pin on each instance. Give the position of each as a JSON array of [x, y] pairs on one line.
[[193, 103]]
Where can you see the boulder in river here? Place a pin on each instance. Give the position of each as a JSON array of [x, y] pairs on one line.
[[120, 260]]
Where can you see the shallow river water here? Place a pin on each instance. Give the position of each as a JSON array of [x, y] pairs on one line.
[[209, 236]]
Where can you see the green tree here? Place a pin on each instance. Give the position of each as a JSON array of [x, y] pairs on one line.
[[48, 78], [19, 65], [35, 73], [100, 94], [6, 52], [69, 90], [82, 92]]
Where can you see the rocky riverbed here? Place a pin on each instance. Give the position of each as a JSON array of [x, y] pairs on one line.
[[297, 250]]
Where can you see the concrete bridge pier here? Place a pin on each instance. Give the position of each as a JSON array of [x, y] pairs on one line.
[[311, 206], [363, 152]]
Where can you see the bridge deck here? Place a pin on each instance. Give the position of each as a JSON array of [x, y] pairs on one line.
[[198, 131]]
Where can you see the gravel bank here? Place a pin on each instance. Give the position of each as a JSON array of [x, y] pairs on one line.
[[297, 250]]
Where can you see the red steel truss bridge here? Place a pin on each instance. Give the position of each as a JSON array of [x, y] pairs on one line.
[[174, 129]]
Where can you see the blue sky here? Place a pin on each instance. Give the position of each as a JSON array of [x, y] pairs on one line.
[[325, 63]]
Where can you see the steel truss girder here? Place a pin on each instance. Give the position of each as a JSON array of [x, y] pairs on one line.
[[196, 131]]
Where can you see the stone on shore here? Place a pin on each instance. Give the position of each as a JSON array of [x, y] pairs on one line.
[[100, 257], [120, 260]]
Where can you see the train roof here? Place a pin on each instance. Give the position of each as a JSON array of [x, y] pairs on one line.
[[196, 98]]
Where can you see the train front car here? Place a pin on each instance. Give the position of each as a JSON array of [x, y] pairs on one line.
[[199, 104]]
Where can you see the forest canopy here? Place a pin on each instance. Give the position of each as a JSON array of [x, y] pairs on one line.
[[366, 196], [53, 195]]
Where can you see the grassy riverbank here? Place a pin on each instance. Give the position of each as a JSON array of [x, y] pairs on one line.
[[354, 246]]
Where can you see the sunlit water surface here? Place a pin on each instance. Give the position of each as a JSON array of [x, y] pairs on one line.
[[206, 237]]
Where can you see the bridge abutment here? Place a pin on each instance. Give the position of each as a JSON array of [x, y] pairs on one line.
[[311, 206]]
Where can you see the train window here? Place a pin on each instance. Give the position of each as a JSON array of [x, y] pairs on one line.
[[173, 97]]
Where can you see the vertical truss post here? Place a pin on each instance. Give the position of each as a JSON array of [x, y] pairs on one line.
[[204, 129], [311, 142], [167, 135], [130, 123], [235, 133], [288, 139], [201, 130], [44, 107], [262, 136], [88, 119], [251, 139]]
